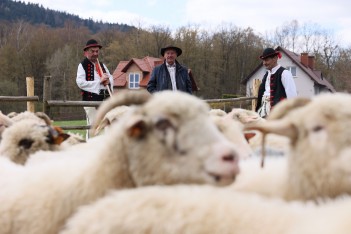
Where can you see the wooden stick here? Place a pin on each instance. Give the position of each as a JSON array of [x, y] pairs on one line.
[[100, 69]]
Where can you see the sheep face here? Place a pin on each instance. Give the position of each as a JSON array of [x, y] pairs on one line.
[[320, 146], [323, 138], [25, 138], [182, 144], [244, 116]]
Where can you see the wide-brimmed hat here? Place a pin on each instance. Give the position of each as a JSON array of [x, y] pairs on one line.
[[92, 43], [270, 52], [170, 47]]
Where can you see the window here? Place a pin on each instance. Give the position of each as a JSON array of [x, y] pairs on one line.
[[134, 79], [292, 70]]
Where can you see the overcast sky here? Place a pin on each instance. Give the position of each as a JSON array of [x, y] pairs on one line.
[[262, 16]]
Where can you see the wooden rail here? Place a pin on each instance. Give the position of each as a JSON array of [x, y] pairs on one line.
[[47, 102], [19, 98], [230, 99]]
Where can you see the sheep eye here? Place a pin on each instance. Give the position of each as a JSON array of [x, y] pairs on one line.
[[317, 128], [163, 124], [26, 143]]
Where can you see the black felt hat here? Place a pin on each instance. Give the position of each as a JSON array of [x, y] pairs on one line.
[[92, 43], [170, 47], [269, 52]]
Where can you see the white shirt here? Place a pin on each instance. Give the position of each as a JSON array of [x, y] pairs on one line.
[[172, 71], [287, 80], [93, 86]]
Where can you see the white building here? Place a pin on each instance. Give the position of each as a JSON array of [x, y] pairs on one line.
[[309, 82]]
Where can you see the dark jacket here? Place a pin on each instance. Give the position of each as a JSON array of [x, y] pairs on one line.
[[161, 80], [277, 88]]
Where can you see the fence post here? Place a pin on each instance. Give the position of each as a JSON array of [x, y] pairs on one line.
[[30, 93], [46, 94], [255, 86]]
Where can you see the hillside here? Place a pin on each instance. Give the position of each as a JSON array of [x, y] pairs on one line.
[[13, 11]]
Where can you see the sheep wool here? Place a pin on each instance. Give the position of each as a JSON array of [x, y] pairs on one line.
[[208, 210], [167, 138]]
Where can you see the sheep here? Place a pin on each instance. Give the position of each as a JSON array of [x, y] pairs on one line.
[[268, 181], [317, 165], [274, 144], [233, 131], [111, 116], [244, 116], [40, 117], [30, 132], [217, 112], [167, 138], [205, 209], [28, 136], [72, 139]]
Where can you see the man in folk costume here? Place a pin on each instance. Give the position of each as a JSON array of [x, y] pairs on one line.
[[277, 83], [93, 78]]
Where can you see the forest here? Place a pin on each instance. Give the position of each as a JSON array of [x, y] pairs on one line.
[[220, 60]]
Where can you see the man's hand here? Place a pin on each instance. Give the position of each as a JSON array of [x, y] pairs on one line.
[[105, 79]]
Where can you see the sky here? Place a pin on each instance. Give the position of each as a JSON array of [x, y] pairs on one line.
[[262, 16]]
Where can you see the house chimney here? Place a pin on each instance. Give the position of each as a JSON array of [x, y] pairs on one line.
[[304, 59], [311, 61]]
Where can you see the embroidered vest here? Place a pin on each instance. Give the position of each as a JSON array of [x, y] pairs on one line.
[[276, 87], [89, 69], [89, 76]]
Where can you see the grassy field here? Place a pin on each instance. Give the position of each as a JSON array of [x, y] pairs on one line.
[[73, 123]]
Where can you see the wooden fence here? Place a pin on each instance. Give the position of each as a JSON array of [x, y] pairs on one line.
[[48, 103]]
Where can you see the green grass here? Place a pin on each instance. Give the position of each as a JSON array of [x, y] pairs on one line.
[[72, 123]]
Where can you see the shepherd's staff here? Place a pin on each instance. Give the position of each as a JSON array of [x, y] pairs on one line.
[[101, 72]]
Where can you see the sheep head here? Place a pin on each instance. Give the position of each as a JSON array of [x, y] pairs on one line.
[[171, 139], [320, 144], [26, 137]]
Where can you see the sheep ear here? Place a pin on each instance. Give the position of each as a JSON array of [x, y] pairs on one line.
[[282, 108], [249, 135], [281, 127], [136, 128], [57, 136]]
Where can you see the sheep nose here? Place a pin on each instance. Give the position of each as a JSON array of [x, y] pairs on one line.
[[222, 165], [228, 158]]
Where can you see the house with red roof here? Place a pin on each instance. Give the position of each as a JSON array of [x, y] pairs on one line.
[[308, 80], [135, 73]]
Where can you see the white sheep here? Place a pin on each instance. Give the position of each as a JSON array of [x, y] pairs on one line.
[[111, 116], [320, 148], [206, 210], [28, 136], [40, 117], [233, 131], [274, 144], [167, 138], [72, 139], [217, 112]]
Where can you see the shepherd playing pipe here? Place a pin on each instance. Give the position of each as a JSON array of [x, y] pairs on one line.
[[93, 78]]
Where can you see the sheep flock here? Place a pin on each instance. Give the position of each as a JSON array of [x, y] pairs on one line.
[[168, 163]]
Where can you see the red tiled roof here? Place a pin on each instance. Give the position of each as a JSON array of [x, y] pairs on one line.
[[119, 77]]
